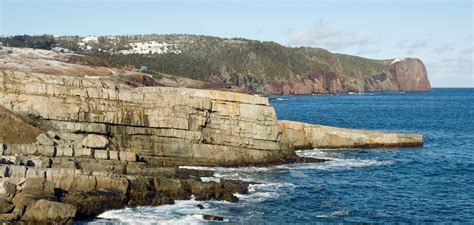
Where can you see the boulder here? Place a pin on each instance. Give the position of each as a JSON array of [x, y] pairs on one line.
[[174, 188], [7, 188], [212, 217], [44, 139], [50, 212], [228, 196], [14, 215], [5, 206], [26, 199], [92, 203], [95, 141], [235, 186], [209, 190], [149, 198]]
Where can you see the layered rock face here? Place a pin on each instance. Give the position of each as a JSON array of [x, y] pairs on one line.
[[309, 136], [101, 145], [164, 126]]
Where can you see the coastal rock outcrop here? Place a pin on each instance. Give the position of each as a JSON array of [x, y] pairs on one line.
[[99, 145], [298, 135], [404, 74], [410, 74]]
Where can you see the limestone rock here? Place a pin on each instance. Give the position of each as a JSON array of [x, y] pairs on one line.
[[7, 189], [83, 152], [318, 136], [101, 154], [26, 199], [92, 203], [95, 141], [44, 139], [5, 206], [174, 188], [110, 146], [17, 171], [38, 186], [128, 156], [235, 186], [48, 212]]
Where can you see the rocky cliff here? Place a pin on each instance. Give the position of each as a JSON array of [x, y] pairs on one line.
[[402, 75], [410, 75], [100, 144], [240, 64]]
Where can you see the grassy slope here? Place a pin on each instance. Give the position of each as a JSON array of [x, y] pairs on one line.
[[16, 129], [239, 62]]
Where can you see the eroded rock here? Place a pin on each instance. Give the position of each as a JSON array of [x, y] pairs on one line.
[[92, 203], [49, 212], [212, 217], [95, 141], [7, 188], [5, 206]]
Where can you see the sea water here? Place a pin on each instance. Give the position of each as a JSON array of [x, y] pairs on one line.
[[434, 183]]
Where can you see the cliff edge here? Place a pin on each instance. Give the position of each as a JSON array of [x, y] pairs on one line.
[[410, 74], [236, 64], [101, 144]]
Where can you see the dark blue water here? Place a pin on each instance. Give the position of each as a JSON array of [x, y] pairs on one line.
[[434, 183], [430, 184]]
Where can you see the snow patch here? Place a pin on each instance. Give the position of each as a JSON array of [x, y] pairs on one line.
[[398, 60], [152, 47]]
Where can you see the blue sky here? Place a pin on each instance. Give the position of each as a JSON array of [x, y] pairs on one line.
[[438, 32]]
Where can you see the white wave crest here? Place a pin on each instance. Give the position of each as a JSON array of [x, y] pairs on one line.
[[336, 161], [182, 212], [265, 191], [237, 173], [335, 214]]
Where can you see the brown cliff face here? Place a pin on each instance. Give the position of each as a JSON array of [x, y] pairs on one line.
[[402, 75], [410, 75], [319, 81]]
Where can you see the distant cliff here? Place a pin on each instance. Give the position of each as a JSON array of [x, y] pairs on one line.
[[241, 64]]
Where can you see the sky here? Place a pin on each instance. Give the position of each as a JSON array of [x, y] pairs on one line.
[[438, 32]]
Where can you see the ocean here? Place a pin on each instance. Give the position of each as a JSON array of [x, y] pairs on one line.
[[431, 184]]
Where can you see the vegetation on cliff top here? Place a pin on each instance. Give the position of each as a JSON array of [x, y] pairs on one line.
[[234, 61]]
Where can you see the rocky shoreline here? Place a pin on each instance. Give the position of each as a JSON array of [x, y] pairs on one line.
[[102, 145]]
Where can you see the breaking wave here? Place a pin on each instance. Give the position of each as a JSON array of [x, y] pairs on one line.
[[182, 212], [336, 161]]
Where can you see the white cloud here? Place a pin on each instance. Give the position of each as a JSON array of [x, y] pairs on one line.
[[469, 50], [367, 50], [451, 71], [469, 38], [443, 48], [322, 35], [411, 46]]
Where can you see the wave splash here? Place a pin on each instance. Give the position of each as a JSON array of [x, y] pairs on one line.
[[336, 161], [187, 212], [182, 212]]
